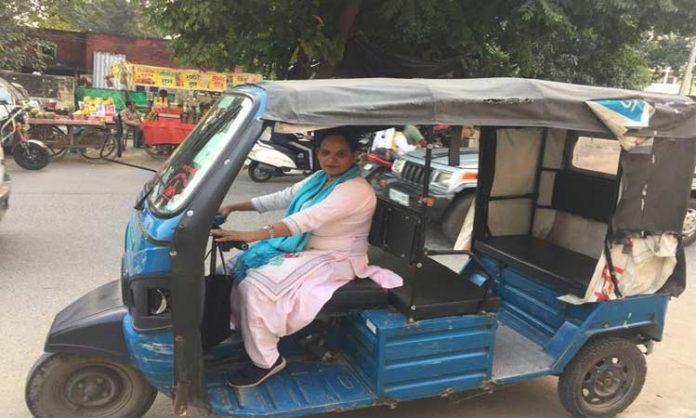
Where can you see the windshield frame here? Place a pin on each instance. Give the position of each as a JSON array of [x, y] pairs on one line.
[[157, 177]]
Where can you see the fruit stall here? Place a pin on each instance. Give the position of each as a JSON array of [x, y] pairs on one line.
[[190, 93]]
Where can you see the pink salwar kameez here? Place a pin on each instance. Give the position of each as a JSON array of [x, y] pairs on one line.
[[285, 295]]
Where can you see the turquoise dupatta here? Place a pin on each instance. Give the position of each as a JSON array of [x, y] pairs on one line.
[[313, 192]]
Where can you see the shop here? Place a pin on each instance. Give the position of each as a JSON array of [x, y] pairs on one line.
[[174, 99]]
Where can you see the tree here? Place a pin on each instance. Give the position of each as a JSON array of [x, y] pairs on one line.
[[592, 42], [666, 52], [17, 48], [115, 17]]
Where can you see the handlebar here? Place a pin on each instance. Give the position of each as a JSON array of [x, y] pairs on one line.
[[218, 220]]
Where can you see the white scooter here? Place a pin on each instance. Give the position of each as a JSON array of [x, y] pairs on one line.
[[292, 157]]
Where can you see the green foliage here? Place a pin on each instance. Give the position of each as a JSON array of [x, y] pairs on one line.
[[116, 17], [597, 42], [16, 47], [668, 51]]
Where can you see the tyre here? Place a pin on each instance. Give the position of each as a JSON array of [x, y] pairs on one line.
[[31, 156], [258, 174], [160, 152], [96, 144], [603, 379], [71, 385], [689, 228], [453, 218], [53, 137]]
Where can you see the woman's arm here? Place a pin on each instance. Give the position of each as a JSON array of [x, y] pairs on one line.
[[279, 230], [274, 201], [244, 206]]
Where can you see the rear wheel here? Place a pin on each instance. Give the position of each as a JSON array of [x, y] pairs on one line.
[[161, 151], [70, 385], [96, 144], [453, 219], [258, 173], [603, 379], [31, 156], [55, 139], [689, 228]]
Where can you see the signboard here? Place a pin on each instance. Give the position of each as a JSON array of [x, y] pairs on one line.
[[170, 78]]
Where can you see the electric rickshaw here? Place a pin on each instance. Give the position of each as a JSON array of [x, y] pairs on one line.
[[568, 272]]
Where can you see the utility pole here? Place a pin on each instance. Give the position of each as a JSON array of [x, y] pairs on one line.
[[688, 74]]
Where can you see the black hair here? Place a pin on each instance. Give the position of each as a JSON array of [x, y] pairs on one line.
[[346, 133], [128, 103]]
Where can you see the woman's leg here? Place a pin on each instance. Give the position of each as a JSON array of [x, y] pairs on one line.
[[257, 318]]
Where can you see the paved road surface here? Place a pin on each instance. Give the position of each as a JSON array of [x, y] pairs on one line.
[[63, 236]]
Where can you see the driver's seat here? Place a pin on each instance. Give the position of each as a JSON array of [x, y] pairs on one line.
[[356, 295]]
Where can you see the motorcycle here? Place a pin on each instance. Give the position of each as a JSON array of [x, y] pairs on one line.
[[29, 154], [280, 155]]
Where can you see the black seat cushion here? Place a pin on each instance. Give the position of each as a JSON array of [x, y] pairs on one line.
[[559, 267], [357, 294], [436, 291]]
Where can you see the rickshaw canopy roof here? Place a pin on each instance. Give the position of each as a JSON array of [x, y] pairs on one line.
[[511, 102]]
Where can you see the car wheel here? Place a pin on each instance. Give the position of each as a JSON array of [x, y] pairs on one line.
[[453, 218], [689, 228], [603, 379], [71, 385]]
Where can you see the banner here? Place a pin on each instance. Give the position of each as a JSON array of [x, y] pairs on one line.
[[171, 78]]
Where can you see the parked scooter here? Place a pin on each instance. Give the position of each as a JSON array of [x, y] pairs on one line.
[[280, 155], [29, 154]]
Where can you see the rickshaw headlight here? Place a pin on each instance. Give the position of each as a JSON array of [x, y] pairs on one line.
[[398, 165]]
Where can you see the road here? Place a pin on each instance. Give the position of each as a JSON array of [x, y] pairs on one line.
[[63, 236]]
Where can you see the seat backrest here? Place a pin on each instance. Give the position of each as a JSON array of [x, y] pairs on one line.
[[585, 195], [397, 230]]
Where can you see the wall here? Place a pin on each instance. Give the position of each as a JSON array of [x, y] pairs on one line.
[[75, 50]]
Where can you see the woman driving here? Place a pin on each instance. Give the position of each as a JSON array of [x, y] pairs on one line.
[[282, 282]]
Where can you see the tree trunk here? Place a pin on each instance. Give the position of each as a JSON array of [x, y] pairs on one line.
[[351, 8]]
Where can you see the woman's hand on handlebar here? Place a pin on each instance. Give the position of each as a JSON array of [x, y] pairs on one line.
[[228, 235]]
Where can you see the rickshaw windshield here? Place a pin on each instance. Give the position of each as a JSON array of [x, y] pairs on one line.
[[183, 172]]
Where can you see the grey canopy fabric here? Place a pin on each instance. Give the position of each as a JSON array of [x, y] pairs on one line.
[[485, 101]]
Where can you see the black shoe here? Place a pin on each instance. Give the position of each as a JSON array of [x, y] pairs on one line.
[[252, 375]]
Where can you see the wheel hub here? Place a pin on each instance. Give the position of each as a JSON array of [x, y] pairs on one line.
[[93, 387], [606, 382]]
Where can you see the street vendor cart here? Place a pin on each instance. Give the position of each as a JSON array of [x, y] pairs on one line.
[[163, 135], [91, 138]]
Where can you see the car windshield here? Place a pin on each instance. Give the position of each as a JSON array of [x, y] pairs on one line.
[[185, 169]]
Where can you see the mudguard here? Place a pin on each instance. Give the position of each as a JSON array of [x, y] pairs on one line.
[[92, 325], [37, 142]]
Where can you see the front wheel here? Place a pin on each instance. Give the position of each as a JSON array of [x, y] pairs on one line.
[[603, 379], [258, 173], [71, 385], [31, 156]]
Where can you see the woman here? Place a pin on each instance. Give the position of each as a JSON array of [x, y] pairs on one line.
[[282, 282]]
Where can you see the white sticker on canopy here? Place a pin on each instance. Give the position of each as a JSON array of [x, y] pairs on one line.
[[622, 115]]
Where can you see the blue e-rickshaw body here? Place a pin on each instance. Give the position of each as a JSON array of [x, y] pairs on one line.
[[376, 356]]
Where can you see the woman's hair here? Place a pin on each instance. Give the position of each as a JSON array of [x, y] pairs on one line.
[[319, 137]]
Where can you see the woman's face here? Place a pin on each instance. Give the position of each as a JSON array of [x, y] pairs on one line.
[[335, 156]]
